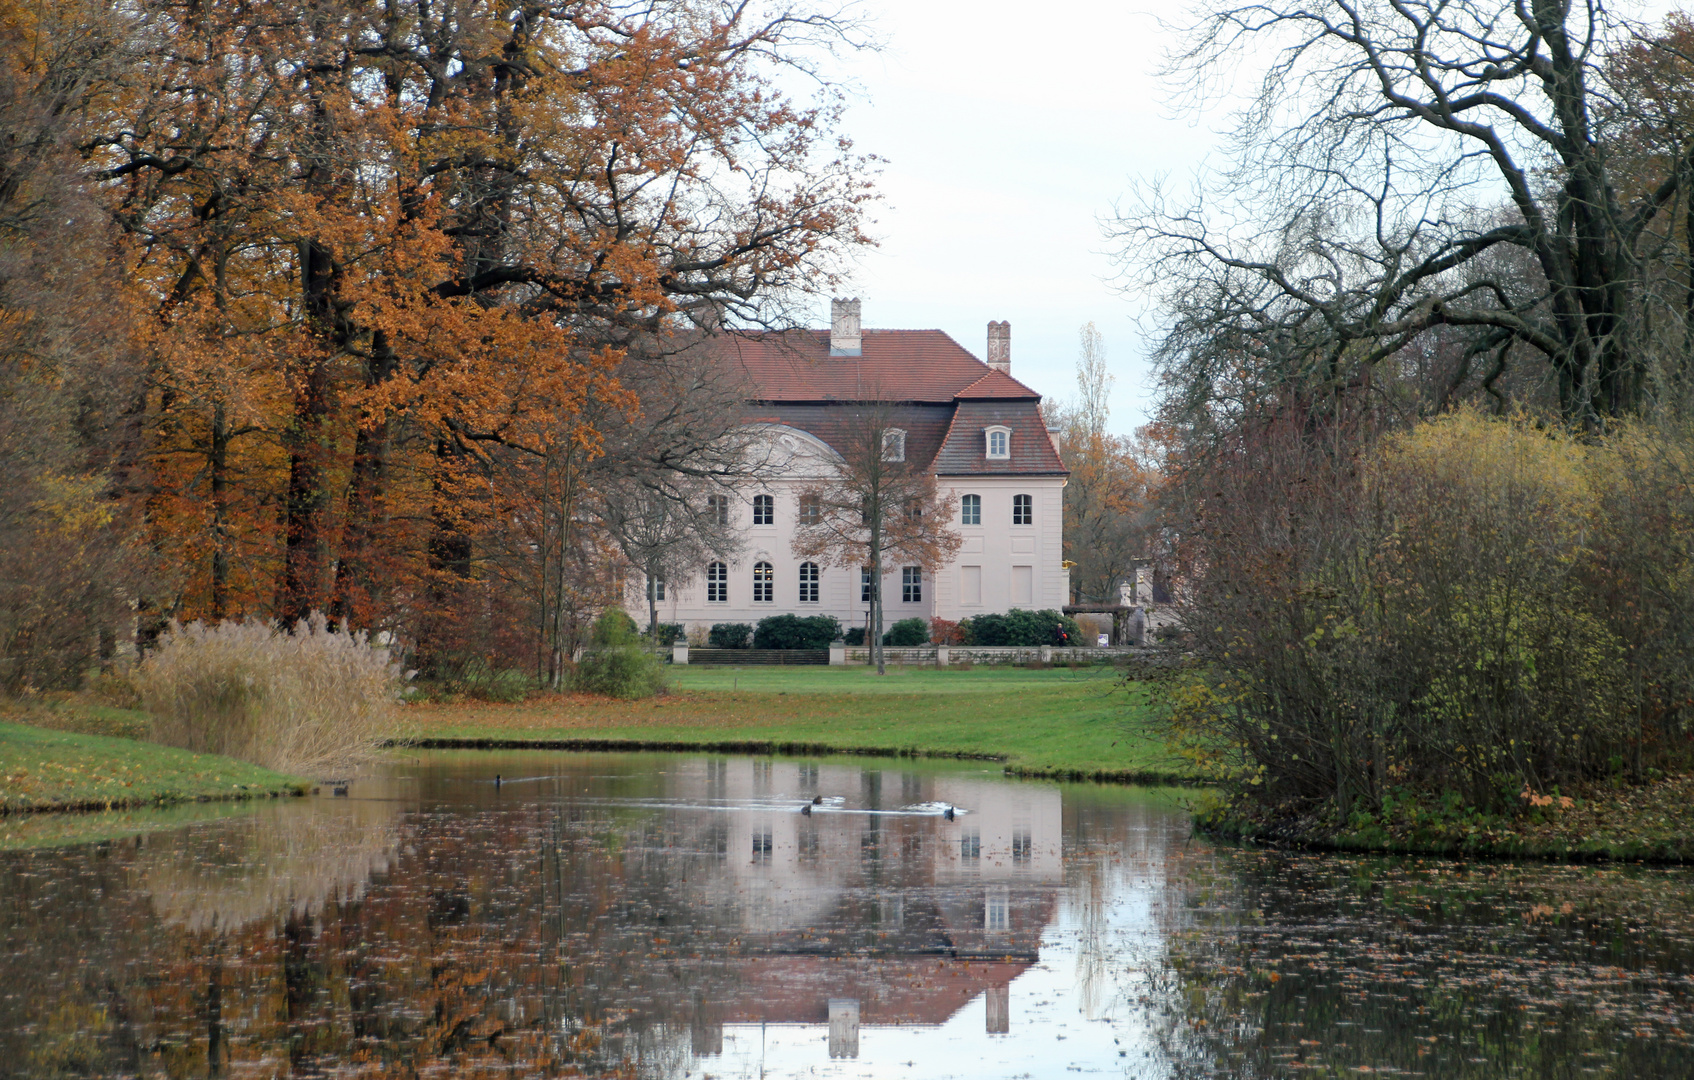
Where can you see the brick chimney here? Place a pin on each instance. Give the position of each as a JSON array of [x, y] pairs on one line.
[[1000, 346], [844, 337]]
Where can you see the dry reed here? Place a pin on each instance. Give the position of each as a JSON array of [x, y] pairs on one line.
[[311, 701]]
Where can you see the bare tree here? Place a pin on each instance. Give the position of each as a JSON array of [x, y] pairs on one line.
[[879, 504], [1364, 209]]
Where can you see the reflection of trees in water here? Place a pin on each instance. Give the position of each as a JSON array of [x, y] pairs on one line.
[[285, 857], [1285, 964]]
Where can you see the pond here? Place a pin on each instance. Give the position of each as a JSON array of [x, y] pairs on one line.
[[551, 914]]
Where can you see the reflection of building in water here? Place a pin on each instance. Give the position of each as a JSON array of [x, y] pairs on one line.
[[873, 898], [843, 1028]]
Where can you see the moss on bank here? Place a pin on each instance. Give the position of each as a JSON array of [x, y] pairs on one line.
[[1651, 822], [43, 769]]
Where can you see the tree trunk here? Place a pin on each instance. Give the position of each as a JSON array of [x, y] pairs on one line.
[[218, 464]]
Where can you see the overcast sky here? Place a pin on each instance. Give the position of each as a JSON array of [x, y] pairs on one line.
[[1010, 131]]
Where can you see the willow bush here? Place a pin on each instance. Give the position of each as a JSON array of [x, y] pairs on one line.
[[1476, 607], [311, 700]]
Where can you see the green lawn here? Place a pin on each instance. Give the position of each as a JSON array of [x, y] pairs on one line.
[[42, 769], [1079, 723]]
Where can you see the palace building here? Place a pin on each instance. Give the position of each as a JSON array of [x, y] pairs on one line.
[[978, 429]]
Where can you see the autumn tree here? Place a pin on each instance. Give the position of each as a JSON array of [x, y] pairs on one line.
[[1109, 515], [70, 561], [874, 506], [388, 251]]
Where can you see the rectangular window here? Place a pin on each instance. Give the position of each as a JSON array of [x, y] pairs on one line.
[[914, 509], [970, 586], [717, 583], [717, 508], [1023, 510], [894, 445], [970, 510], [911, 584], [864, 584], [808, 583], [811, 510], [764, 510], [656, 587], [1023, 585], [970, 845]]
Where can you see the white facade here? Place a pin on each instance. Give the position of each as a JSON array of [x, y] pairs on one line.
[[1000, 565]]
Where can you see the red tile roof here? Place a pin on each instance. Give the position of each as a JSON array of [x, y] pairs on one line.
[[997, 384], [896, 365]]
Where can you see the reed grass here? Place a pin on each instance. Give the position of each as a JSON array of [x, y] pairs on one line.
[[311, 701]]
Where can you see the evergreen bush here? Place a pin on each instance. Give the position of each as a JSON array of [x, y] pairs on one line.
[[855, 636], [669, 633], [1018, 627], [796, 632], [730, 635], [907, 633]]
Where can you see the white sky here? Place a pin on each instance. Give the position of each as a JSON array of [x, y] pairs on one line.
[[1009, 133]]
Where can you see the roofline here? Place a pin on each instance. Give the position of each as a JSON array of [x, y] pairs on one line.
[[1035, 475], [856, 401]]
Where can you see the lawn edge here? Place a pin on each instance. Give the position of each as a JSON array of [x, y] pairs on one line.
[[791, 748], [91, 806]]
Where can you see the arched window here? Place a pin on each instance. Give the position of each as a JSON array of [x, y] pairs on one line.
[[808, 583], [894, 445], [1023, 510], [764, 510], [764, 583], [999, 442], [970, 510], [717, 583]]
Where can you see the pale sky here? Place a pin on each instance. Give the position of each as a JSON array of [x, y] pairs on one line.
[[1009, 132]]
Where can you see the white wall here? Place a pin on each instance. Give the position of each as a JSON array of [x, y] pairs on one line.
[[996, 546]]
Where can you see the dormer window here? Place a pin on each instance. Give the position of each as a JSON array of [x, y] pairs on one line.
[[999, 443], [894, 445]]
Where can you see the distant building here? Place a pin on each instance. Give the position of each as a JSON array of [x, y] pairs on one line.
[[980, 432]]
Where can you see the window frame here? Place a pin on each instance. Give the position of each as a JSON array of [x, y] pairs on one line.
[[764, 581], [810, 510], [810, 576], [764, 510], [655, 590], [1023, 506], [896, 436], [865, 592], [717, 506], [970, 509], [988, 437], [717, 583], [911, 584]]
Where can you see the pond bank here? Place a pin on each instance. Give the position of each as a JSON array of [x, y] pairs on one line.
[[1651, 822], [1083, 724], [47, 770]]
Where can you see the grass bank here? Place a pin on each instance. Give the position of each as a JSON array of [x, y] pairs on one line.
[[1064, 723], [45, 769], [1648, 822]]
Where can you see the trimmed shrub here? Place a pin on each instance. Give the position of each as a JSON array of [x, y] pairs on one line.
[[730, 635], [1023, 628], [669, 633], [855, 636], [307, 701], [796, 632], [618, 664], [907, 633]]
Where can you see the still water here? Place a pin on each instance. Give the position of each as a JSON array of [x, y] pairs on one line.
[[680, 916]]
